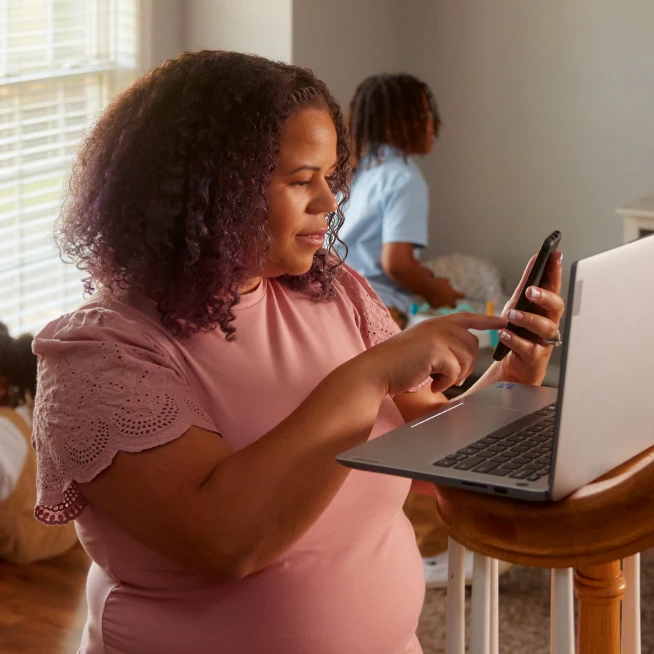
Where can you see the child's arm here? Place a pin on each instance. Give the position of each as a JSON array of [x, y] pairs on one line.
[[405, 270]]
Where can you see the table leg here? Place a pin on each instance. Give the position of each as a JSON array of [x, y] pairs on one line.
[[599, 589]]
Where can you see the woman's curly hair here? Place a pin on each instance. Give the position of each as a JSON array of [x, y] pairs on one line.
[[168, 192]]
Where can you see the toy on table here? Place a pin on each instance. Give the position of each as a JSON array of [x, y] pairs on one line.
[[461, 306], [488, 338], [493, 334]]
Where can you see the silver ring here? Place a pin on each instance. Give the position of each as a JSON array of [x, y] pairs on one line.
[[556, 341]]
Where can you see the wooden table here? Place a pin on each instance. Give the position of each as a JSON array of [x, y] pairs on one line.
[[591, 531]]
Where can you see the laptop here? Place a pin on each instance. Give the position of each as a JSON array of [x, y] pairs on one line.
[[536, 443]]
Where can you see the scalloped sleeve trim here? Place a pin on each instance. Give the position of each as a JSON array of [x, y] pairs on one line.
[[103, 387]]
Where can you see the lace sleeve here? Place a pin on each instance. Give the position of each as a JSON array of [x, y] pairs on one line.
[[373, 318], [103, 387]]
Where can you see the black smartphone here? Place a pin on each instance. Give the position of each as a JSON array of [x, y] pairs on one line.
[[534, 279]]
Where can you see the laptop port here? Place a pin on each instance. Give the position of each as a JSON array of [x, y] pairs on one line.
[[472, 483]]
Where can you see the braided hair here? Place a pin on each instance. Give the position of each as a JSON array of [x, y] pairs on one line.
[[392, 110], [17, 366]]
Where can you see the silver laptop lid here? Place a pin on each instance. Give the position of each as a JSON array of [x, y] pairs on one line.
[[606, 397]]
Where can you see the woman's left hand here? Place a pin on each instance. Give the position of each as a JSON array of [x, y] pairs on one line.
[[527, 361]]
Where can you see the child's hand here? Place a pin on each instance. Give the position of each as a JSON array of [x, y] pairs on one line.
[[442, 294]]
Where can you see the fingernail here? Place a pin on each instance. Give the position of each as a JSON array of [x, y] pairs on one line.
[[534, 292], [504, 335], [515, 315], [560, 258]]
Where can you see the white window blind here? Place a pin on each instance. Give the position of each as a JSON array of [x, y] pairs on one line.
[[60, 62]]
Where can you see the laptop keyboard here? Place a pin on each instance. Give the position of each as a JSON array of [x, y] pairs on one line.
[[523, 453]]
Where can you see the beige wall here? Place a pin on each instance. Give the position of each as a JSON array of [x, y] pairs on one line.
[[548, 112], [256, 26], [344, 41], [161, 31]]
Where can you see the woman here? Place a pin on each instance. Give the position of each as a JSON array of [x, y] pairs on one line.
[[22, 538], [189, 413]]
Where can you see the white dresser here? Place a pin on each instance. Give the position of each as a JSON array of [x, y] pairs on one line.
[[637, 218]]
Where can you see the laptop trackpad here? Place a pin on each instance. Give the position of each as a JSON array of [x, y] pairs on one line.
[[464, 424]]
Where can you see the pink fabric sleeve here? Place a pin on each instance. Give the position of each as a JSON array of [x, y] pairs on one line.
[[374, 320], [103, 387]]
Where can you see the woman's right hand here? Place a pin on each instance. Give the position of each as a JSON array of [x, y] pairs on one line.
[[441, 347]]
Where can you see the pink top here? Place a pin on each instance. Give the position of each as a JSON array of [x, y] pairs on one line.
[[112, 378]]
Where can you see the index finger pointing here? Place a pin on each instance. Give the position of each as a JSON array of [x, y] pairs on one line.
[[476, 320]]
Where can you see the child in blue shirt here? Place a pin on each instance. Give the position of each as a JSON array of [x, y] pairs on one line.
[[392, 119]]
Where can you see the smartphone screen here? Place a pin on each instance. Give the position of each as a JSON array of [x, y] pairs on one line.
[[534, 278]]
